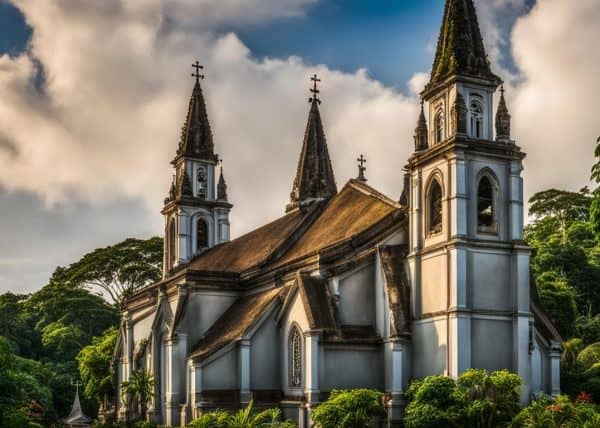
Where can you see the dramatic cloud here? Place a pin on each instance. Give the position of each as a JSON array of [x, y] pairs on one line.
[[84, 149], [554, 107]]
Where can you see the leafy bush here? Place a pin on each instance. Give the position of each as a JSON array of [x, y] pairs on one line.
[[355, 408], [244, 418], [560, 412], [588, 328], [436, 402], [592, 387], [590, 355], [478, 399]]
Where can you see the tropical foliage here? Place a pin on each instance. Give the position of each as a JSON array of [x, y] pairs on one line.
[[137, 391], [243, 418], [349, 409], [478, 399]]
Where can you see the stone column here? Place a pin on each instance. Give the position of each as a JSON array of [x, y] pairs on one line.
[[311, 376], [244, 371], [195, 387], [129, 347], [176, 347], [555, 350], [395, 358]]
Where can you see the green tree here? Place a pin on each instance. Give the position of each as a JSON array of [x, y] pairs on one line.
[[349, 409], [14, 325], [590, 355], [564, 206], [94, 366], [588, 328], [118, 270], [558, 300], [137, 391]]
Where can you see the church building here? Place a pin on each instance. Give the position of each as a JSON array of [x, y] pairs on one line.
[[349, 288]]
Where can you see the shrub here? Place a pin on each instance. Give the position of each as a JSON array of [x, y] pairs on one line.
[[216, 419], [592, 387], [588, 328], [436, 402], [355, 408], [477, 399], [590, 355], [560, 412]]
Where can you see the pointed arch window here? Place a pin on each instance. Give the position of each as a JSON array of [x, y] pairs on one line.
[[201, 235], [201, 179], [439, 126], [171, 247], [486, 205], [295, 357], [476, 119], [434, 208]]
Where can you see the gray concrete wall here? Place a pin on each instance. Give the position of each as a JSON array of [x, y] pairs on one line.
[[429, 347], [357, 297], [221, 373], [492, 344], [202, 310], [490, 280], [265, 356], [351, 367]]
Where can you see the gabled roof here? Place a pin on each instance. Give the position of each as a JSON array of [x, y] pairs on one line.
[[196, 136], [236, 321], [355, 209], [460, 49], [250, 249], [314, 177], [317, 302]]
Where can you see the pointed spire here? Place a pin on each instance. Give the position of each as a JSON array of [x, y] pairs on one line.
[[196, 136], [314, 176], [361, 168], [421, 131], [221, 186], [460, 49], [502, 119], [77, 416]]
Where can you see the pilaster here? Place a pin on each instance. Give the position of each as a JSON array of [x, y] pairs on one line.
[[244, 371]]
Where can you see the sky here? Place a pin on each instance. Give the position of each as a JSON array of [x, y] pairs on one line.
[[93, 97]]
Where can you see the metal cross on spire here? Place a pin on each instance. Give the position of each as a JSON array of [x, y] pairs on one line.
[[197, 74], [315, 91], [362, 168]]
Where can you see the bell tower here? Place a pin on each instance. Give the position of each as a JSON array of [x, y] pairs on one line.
[[468, 261], [196, 211]]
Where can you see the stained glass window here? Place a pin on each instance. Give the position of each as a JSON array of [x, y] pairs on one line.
[[296, 357]]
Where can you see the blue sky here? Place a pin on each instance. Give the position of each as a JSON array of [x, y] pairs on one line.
[[391, 39]]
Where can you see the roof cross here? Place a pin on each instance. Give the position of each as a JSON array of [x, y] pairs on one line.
[[361, 167], [315, 91], [197, 74]]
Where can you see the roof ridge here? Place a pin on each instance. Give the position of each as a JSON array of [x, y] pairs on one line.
[[365, 188]]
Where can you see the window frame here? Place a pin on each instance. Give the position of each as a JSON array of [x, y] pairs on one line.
[[295, 357], [438, 126], [172, 247], [206, 229], [435, 180], [494, 187]]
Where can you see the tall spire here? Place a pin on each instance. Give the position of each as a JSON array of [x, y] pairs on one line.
[[460, 49], [314, 176], [421, 131], [502, 119], [221, 186], [196, 136]]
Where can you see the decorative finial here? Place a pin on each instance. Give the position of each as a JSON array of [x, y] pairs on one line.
[[362, 168], [197, 74], [315, 91]]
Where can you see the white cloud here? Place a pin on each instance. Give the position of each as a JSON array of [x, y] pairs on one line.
[[554, 107], [117, 85]]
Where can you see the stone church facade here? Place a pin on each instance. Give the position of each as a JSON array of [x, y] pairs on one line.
[[350, 288]]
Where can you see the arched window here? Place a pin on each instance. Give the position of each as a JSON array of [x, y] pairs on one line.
[[434, 205], [201, 178], [486, 221], [439, 126], [172, 244], [201, 235], [295, 357], [476, 119]]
